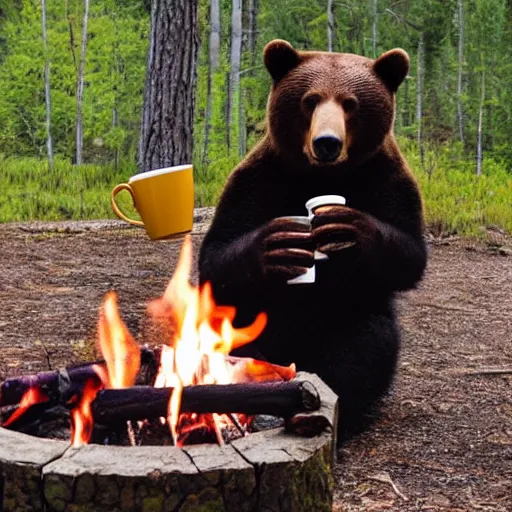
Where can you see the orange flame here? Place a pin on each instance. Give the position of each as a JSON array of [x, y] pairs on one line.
[[246, 369], [32, 396], [197, 335], [200, 336], [82, 421], [120, 351], [122, 358]]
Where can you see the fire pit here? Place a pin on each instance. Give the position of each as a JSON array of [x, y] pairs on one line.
[[174, 427], [270, 470]]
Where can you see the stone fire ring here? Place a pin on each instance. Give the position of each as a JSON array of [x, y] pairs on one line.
[[272, 471]]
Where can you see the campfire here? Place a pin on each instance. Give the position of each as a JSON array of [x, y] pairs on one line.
[[248, 435], [189, 384]]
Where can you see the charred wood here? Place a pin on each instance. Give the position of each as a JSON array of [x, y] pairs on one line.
[[61, 385], [283, 399]]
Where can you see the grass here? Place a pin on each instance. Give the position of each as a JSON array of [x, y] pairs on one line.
[[456, 200], [30, 191]]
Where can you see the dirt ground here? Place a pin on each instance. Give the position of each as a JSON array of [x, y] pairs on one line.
[[444, 442]]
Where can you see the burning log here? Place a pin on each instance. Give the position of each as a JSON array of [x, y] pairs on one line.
[[60, 385], [283, 399]]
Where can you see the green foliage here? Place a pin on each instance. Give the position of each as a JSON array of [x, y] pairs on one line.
[[114, 78], [455, 199], [31, 192]]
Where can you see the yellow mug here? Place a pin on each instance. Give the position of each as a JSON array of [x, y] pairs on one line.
[[164, 199]]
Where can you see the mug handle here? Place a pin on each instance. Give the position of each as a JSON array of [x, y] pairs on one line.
[[117, 211]]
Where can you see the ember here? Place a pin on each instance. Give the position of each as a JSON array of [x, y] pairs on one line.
[[197, 336]]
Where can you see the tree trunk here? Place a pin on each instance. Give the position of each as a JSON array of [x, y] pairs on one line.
[[406, 113], [253, 30], [213, 64], [71, 34], [214, 35], [242, 134], [49, 141], [330, 24], [116, 71], [227, 107], [374, 28], [80, 86], [115, 123], [419, 97], [479, 152], [460, 117], [146, 112], [234, 76], [167, 126]]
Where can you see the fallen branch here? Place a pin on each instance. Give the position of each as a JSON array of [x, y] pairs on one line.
[[283, 399], [386, 479], [447, 307], [489, 371]]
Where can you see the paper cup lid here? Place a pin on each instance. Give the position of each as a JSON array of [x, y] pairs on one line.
[[314, 202]]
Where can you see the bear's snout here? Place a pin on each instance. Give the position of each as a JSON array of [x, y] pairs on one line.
[[327, 148], [326, 133]]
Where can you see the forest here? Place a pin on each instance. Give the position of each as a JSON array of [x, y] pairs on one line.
[[73, 75]]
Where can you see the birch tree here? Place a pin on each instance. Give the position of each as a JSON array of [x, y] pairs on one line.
[[419, 96], [487, 23], [330, 24], [374, 27], [80, 87], [49, 141], [460, 53], [253, 30], [167, 126], [213, 64], [479, 151], [234, 74]]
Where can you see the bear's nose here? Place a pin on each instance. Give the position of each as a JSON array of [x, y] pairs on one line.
[[327, 148]]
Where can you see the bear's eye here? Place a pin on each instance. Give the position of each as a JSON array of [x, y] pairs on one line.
[[311, 101], [350, 104]]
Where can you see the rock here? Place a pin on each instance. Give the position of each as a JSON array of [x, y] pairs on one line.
[[22, 459]]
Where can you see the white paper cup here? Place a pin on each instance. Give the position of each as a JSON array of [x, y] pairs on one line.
[[309, 276], [317, 201]]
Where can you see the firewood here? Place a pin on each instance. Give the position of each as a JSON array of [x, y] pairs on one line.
[[283, 399], [61, 385]]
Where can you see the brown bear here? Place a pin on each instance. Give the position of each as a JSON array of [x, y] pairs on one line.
[[329, 131]]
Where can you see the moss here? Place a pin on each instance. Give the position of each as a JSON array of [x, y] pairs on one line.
[[153, 503], [85, 489], [208, 500], [57, 491], [108, 491]]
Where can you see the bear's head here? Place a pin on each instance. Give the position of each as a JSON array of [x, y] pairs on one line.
[[329, 108]]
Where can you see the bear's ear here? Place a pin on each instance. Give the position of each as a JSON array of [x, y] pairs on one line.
[[280, 57], [392, 67]]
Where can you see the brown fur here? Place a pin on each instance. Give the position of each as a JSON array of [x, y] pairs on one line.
[[343, 327]]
